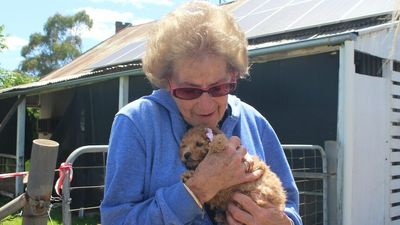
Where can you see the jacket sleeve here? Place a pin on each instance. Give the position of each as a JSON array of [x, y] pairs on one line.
[[278, 163], [126, 200]]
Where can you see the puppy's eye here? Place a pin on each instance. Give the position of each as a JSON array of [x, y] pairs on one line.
[[199, 144]]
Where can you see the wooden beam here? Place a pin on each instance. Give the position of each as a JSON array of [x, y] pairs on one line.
[[10, 113], [12, 206]]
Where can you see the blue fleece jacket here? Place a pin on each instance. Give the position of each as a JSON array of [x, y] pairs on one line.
[[143, 184]]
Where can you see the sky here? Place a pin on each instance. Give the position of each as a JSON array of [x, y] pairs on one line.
[[22, 18]]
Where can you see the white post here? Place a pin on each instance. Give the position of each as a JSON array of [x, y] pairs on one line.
[[19, 186], [345, 132], [387, 74], [331, 150], [123, 91]]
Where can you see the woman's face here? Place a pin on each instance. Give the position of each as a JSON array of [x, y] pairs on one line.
[[201, 72]]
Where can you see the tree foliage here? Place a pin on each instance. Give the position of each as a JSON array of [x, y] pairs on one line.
[[14, 78], [59, 45], [2, 39]]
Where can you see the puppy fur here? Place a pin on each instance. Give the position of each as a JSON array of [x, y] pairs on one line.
[[195, 145]]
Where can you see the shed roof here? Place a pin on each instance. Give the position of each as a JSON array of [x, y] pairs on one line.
[[268, 17], [266, 23]]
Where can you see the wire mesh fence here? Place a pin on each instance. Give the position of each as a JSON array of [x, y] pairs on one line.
[[309, 167], [7, 165]]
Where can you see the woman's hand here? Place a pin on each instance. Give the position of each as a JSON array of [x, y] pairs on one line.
[[252, 214], [221, 170]]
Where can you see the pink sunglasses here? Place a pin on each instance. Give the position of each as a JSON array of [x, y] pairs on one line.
[[190, 93]]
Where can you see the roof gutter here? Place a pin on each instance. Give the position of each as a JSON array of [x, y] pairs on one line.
[[70, 83], [330, 40]]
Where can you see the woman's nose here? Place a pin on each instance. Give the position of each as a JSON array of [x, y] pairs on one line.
[[205, 101]]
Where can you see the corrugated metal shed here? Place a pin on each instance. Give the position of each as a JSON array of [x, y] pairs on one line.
[[266, 23], [99, 56], [124, 47]]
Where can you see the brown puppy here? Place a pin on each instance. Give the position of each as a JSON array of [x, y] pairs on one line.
[[200, 141]]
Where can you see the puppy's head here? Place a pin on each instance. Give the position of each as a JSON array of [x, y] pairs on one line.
[[195, 145]]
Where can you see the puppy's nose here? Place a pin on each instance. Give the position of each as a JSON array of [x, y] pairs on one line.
[[187, 155]]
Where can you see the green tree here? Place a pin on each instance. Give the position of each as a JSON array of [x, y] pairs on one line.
[[2, 39], [11, 78], [59, 45], [14, 78]]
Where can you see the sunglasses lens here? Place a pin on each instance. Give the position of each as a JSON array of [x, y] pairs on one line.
[[222, 89], [187, 93], [193, 93]]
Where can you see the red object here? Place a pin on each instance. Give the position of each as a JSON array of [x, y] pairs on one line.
[[64, 167], [10, 175]]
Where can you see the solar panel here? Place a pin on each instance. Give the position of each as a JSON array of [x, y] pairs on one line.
[[250, 21], [276, 4], [369, 7], [128, 53], [324, 12], [136, 52], [341, 10], [277, 20], [265, 17], [262, 18], [247, 8]]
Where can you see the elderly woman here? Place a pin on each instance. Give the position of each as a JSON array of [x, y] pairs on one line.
[[194, 56]]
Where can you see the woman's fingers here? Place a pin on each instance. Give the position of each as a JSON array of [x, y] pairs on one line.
[[245, 202], [225, 169], [252, 176], [231, 220], [247, 167], [244, 210], [241, 163], [238, 215], [233, 143], [250, 162]]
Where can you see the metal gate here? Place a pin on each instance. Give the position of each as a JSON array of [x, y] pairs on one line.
[[308, 164], [66, 192], [309, 168], [7, 165]]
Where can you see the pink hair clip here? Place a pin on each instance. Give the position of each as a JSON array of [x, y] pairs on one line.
[[209, 134]]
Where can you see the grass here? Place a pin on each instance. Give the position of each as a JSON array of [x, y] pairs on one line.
[[55, 214]]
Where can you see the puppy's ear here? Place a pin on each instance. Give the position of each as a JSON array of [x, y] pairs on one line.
[[216, 131], [218, 143]]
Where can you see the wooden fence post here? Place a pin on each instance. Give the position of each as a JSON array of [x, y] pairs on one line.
[[40, 183], [12, 206]]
